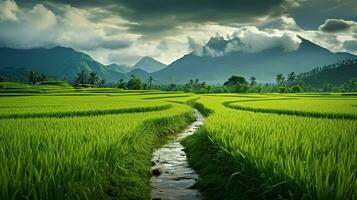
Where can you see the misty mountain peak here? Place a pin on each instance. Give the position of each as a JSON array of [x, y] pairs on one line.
[[217, 43]]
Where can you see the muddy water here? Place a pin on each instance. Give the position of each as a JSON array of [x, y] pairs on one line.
[[172, 176]]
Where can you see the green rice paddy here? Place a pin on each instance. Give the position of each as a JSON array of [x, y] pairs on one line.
[[59, 142]]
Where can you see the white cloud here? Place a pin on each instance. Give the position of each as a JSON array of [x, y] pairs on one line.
[[255, 40], [8, 9], [248, 39], [40, 17], [195, 46], [105, 36], [40, 27], [281, 23]]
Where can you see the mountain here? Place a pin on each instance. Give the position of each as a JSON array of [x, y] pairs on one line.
[[264, 65], [58, 62], [142, 74], [335, 74], [15, 74], [149, 64], [118, 68]]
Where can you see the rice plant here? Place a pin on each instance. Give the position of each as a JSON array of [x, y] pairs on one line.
[[276, 156], [94, 156]]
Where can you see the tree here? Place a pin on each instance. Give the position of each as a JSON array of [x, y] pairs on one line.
[[150, 81], [42, 77], [196, 82], [172, 87], [237, 84], [134, 83], [32, 77], [82, 77], [296, 89], [102, 83], [351, 86], [189, 87], [253, 81], [121, 84], [291, 77], [35, 77], [191, 83], [280, 79], [93, 78], [235, 80]]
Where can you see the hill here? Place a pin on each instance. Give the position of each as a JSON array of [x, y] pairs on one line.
[[15, 74], [58, 62], [264, 65], [141, 74], [118, 68], [149, 64], [336, 74]]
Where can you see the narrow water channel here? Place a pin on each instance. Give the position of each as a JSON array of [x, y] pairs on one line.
[[172, 176]]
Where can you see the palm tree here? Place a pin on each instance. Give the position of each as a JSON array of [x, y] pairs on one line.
[[253, 81], [32, 77], [196, 83], [121, 84], [82, 77], [93, 78], [150, 81], [291, 77], [280, 79]]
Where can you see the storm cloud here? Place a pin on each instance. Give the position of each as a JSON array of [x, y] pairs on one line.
[[337, 25], [152, 16], [350, 45], [123, 31]]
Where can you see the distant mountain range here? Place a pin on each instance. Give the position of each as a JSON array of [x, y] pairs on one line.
[[264, 65], [64, 63], [59, 62]]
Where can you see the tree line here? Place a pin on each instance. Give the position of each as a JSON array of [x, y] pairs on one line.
[[292, 83]]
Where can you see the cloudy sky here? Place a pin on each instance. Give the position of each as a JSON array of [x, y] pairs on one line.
[[123, 31]]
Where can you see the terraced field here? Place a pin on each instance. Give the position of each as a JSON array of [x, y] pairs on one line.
[[82, 147], [60, 142], [277, 147]]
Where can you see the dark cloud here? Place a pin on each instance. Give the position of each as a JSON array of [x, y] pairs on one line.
[[152, 16], [336, 25], [350, 45], [312, 13]]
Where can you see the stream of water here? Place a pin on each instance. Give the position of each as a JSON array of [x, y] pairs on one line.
[[172, 176]]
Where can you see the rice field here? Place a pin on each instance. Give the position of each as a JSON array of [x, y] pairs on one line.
[[82, 147], [60, 142], [260, 154]]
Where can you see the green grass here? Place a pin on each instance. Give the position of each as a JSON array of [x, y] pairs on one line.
[[337, 108], [59, 142], [74, 147], [267, 155]]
